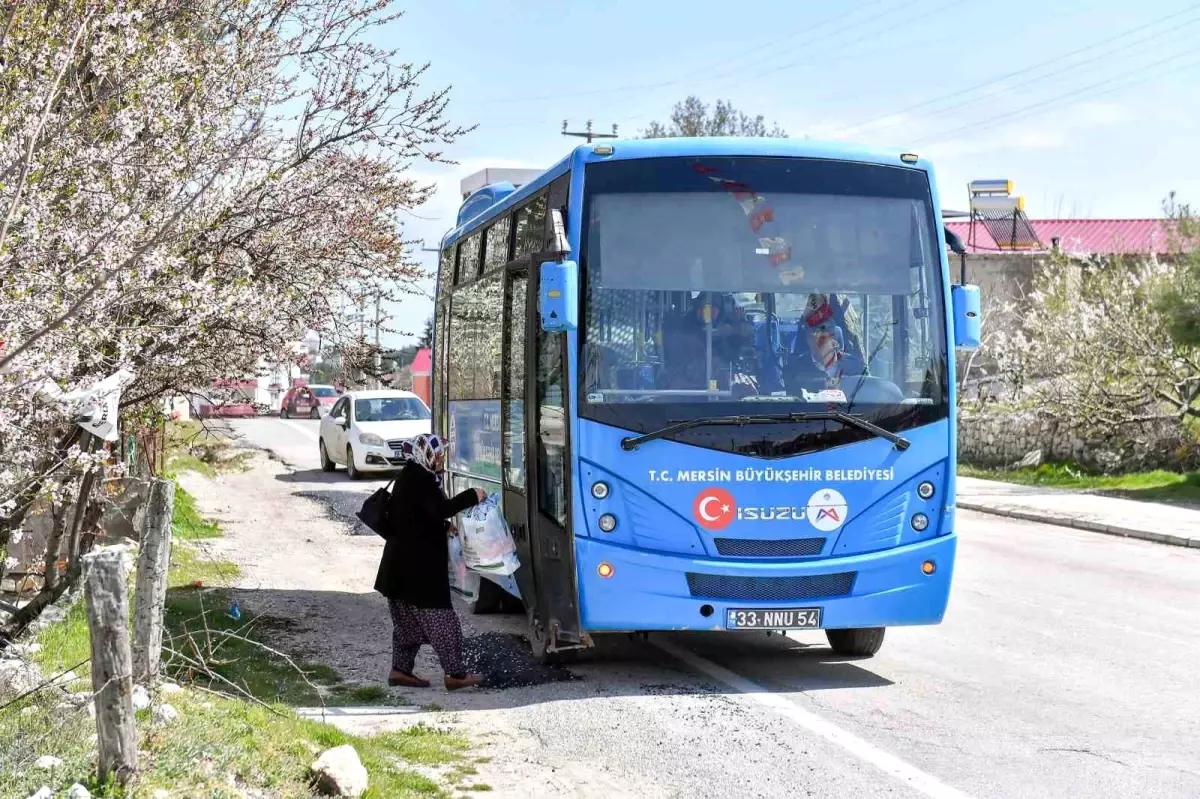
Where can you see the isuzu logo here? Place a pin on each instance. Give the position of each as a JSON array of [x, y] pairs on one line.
[[715, 508]]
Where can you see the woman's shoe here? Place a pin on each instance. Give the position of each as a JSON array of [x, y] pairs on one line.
[[468, 681], [407, 680]]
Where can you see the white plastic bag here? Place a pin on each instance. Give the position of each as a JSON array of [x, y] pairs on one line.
[[463, 581], [487, 546]]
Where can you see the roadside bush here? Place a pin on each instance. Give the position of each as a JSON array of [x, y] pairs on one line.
[[1093, 357]]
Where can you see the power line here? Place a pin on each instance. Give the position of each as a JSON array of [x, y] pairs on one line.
[[851, 27], [1022, 112], [835, 98], [1063, 70], [817, 58], [753, 50], [856, 128]]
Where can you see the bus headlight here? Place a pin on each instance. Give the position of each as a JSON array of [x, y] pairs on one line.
[[925, 490], [608, 522], [600, 490], [919, 522]]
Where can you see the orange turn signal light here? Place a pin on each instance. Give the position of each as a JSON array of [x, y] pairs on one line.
[[928, 567], [604, 570]]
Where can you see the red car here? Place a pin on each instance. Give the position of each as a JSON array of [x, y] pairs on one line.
[[312, 401]]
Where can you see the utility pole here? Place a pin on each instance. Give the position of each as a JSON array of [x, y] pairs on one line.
[[588, 134], [378, 357]]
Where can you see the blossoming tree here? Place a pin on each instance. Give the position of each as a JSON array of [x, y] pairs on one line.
[[186, 187]]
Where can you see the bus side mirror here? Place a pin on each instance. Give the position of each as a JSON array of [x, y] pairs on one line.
[[967, 322], [557, 295]]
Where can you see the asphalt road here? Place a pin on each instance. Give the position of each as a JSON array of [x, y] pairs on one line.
[[1065, 668]]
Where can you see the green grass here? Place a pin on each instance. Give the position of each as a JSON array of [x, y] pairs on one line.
[[216, 738], [65, 645], [190, 447], [261, 743], [1155, 486], [188, 524]]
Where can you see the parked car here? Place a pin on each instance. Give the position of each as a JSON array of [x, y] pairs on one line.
[[312, 401], [364, 430], [206, 410]]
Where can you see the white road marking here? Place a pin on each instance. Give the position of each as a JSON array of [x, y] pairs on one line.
[[925, 784], [306, 431]]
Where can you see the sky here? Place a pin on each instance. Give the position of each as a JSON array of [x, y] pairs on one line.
[[1091, 107]]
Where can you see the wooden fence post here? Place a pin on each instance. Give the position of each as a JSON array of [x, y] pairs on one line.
[[107, 596], [150, 593]]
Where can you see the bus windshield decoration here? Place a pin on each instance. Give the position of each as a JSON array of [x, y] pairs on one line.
[[718, 392]]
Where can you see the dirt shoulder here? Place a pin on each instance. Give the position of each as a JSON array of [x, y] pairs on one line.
[[308, 568]]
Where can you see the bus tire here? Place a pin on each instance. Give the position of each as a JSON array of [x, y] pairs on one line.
[[860, 642], [539, 643]]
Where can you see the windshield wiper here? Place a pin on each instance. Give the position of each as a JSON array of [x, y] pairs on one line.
[[848, 419]]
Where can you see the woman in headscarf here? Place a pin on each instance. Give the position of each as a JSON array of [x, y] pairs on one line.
[[413, 571]]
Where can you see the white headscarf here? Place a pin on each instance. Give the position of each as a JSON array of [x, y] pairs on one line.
[[423, 451]]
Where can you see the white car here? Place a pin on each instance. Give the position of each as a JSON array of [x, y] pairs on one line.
[[364, 429]]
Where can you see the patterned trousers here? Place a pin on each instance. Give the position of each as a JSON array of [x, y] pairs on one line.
[[438, 627]]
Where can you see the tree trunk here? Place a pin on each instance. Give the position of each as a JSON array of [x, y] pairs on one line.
[[112, 664], [54, 547], [150, 594], [88, 442]]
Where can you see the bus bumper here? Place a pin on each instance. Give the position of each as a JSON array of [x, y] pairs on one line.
[[653, 591]]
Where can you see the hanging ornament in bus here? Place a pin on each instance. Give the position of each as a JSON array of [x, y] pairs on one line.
[[759, 213]]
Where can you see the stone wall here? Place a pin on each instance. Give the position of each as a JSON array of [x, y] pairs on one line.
[[123, 501], [999, 440], [1006, 277], [1003, 439], [1001, 278]]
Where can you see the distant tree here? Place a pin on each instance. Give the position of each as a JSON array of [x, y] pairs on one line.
[[693, 118], [402, 356], [426, 339], [328, 368], [1179, 301]]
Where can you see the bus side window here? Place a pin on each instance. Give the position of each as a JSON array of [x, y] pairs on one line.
[[552, 427], [513, 386]]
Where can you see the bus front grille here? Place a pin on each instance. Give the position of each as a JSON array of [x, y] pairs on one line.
[[770, 589], [763, 548]]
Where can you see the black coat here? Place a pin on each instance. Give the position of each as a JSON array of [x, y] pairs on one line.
[[414, 564]]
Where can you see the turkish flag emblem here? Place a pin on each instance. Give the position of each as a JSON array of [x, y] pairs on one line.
[[714, 508]]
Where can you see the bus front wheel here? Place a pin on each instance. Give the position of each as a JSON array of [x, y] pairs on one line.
[[539, 645], [861, 642]]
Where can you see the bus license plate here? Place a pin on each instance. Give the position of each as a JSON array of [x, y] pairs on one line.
[[772, 618]]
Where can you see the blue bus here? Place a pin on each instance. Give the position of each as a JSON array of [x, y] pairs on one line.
[[712, 381]]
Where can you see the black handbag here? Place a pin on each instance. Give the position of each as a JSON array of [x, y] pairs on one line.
[[373, 512]]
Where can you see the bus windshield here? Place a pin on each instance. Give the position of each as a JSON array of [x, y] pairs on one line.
[[760, 280]]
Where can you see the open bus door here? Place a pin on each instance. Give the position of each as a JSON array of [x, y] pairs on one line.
[[536, 465]]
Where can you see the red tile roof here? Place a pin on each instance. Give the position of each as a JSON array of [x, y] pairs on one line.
[[1081, 236], [422, 362]]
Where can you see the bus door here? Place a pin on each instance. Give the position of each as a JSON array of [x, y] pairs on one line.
[[513, 359], [537, 470]]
